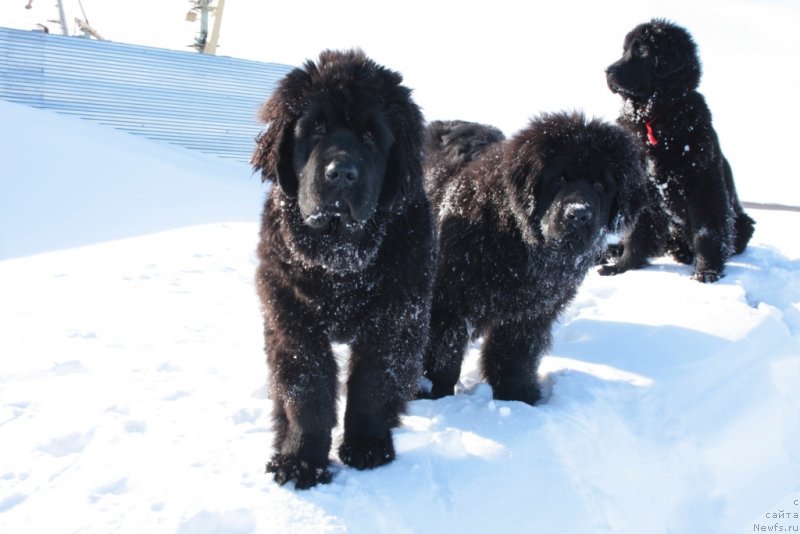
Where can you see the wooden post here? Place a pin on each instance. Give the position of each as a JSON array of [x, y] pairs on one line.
[[62, 18], [211, 45]]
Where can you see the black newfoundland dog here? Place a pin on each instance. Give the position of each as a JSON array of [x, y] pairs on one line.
[[346, 254], [694, 212], [519, 224]]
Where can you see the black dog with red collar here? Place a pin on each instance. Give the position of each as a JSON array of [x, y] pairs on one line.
[[693, 211]]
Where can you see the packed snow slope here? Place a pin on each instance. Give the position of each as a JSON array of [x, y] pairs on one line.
[[68, 182], [133, 395]]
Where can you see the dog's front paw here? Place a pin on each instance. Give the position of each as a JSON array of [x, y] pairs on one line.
[[367, 453], [424, 388], [286, 468], [683, 255], [625, 263], [527, 393], [612, 253], [609, 270], [707, 276]]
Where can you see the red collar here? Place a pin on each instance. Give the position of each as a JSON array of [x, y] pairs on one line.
[[651, 137], [648, 125]]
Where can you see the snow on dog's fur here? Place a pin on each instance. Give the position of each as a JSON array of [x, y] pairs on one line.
[[519, 224]]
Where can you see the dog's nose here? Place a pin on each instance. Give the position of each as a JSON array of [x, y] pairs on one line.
[[578, 214], [341, 172]]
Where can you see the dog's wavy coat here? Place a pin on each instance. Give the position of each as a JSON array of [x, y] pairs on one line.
[[346, 254], [519, 224]]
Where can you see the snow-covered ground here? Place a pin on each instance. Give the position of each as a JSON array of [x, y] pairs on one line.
[[132, 394], [132, 375]]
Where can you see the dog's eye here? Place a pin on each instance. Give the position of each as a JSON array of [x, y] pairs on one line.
[[642, 51], [561, 180], [320, 128], [368, 137]]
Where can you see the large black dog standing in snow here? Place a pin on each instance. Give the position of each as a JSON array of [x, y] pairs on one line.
[[693, 212], [519, 224], [346, 253]]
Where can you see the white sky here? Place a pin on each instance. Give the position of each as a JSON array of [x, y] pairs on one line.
[[468, 46]]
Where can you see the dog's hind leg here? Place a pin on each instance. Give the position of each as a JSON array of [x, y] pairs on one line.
[[744, 225]]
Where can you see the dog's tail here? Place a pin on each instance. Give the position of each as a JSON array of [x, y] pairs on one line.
[[744, 225], [454, 144]]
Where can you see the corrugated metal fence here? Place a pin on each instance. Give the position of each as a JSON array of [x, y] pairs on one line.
[[201, 102]]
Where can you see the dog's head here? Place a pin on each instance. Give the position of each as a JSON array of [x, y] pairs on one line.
[[454, 144], [573, 180], [656, 56], [343, 139]]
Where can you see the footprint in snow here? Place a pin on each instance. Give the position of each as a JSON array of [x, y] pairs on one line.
[[115, 487], [11, 501], [68, 444], [246, 416], [233, 522], [135, 427]]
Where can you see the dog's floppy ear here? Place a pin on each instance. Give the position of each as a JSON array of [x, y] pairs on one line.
[[403, 177], [630, 200], [675, 52], [273, 157], [397, 177], [524, 174], [530, 153], [524, 162], [274, 152], [628, 170], [668, 61]]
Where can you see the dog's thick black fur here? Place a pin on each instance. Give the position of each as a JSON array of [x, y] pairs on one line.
[[346, 254], [519, 223], [693, 212]]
